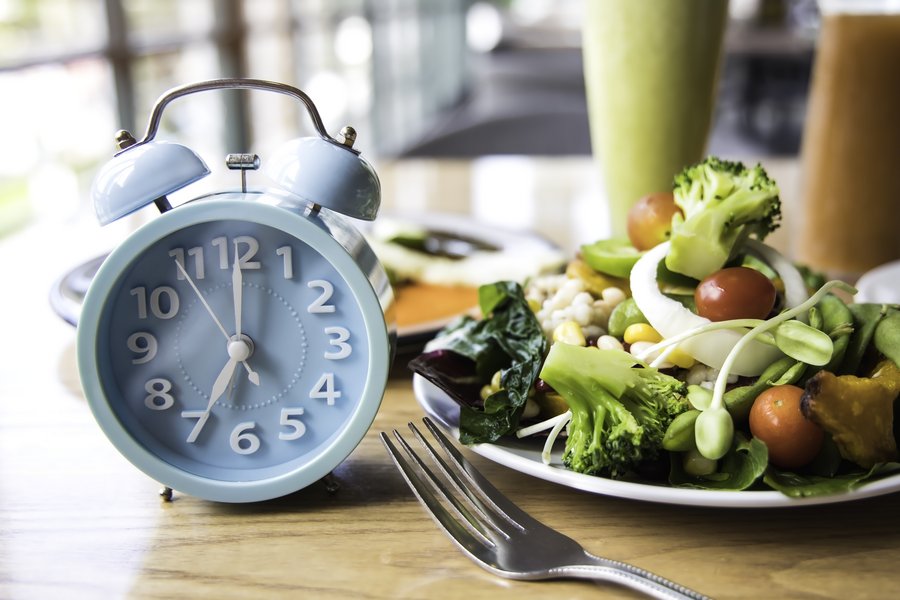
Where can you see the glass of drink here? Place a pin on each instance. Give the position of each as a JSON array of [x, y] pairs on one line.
[[651, 69], [851, 143]]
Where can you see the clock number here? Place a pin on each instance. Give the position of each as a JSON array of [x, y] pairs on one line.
[[320, 304], [252, 248], [288, 420], [242, 441], [286, 253], [341, 335], [158, 396], [155, 302], [202, 417], [142, 343], [222, 244], [324, 389], [246, 259], [197, 254]]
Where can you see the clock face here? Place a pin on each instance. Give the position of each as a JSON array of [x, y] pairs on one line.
[[240, 358]]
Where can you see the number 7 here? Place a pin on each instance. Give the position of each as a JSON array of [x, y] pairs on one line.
[[202, 417]]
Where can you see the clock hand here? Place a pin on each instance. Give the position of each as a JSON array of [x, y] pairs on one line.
[[221, 383], [251, 374], [238, 351], [202, 300], [237, 291]]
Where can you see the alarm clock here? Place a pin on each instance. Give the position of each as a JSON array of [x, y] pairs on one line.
[[236, 347]]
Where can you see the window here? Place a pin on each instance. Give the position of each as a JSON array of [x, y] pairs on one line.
[[73, 72]]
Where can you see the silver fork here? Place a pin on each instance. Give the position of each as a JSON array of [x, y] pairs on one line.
[[497, 534]]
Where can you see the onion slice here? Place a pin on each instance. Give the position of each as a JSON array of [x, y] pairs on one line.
[[795, 292], [670, 318]]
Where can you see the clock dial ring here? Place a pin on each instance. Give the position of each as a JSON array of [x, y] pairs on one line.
[[275, 482]]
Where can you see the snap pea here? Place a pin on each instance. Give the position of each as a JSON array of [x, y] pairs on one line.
[[866, 317], [837, 322], [679, 436], [815, 318], [887, 337], [783, 371]]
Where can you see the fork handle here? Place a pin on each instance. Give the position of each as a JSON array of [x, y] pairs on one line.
[[604, 569]]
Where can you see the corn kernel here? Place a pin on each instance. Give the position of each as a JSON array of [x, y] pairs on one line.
[[569, 332], [641, 332], [680, 358], [495, 380]]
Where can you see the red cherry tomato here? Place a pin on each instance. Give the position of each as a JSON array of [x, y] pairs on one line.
[[735, 293], [650, 220], [775, 418]]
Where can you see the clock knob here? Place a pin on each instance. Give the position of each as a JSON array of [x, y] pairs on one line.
[[327, 174], [141, 174]]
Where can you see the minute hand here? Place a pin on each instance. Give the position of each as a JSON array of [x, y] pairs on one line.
[[252, 375], [237, 292]]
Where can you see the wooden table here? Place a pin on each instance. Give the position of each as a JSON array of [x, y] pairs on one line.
[[77, 520]]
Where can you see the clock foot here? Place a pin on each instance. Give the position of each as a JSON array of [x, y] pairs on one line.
[[166, 494], [332, 485]]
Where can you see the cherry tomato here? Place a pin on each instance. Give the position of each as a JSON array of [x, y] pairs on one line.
[[735, 293], [776, 419], [650, 220]]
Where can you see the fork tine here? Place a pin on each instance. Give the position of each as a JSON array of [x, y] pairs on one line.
[[474, 520], [486, 508], [462, 530], [503, 505]]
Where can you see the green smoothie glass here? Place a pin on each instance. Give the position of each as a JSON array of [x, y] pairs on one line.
[[650, 68]]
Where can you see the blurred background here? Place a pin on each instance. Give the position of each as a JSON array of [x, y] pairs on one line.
[[416, 78]]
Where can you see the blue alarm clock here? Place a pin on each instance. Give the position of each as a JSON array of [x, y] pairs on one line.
[[236, 348]]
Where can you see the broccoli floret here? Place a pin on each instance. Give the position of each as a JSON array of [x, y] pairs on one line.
[[723, 203], [619, 412]]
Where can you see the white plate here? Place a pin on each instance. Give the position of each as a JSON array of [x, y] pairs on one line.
[[881, 284], [525, 457]]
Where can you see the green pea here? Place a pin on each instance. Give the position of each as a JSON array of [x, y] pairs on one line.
[[624, 314], [697, 465], [679, 436], [713, 431], [699, 396], [887, 337], [804, 343]]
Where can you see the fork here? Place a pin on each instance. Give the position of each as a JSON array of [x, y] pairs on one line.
[[498, 535]]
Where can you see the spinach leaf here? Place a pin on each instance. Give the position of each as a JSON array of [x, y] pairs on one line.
[[508, 339], [738, 470], [800, 486], [866, 317]]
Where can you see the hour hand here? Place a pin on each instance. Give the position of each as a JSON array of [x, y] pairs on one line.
[[238, 351], [221, 383]]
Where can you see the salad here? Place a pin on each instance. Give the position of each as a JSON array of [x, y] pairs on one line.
[[691, 354]]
